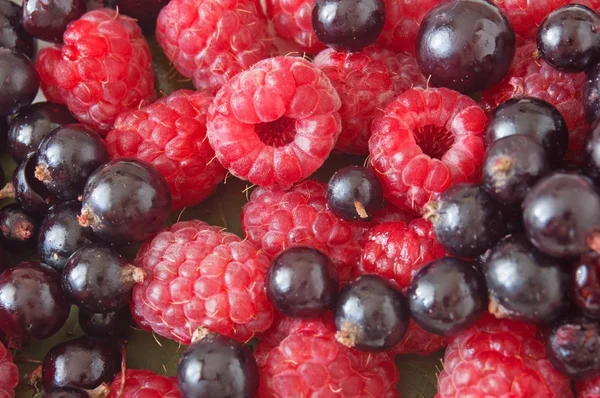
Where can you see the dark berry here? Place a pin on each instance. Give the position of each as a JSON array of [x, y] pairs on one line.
[[32, 124], [106, 326], [348, 24], [67, 392], [354, 193], [447, 296], [466, 220], [99, 279], [586, 284], [218, 367], [145, 12], [125, 201], [465, 45], [95, 4], [524, 284], [12, 34], [302, 282], [60, 234], [67, 157], [371, 314], [568, 38], [532, 117], [591, 157], [32, 303], [3, 134], [591, 93], [573, 347], [19, 81], [512, 166], [83, 362], [48, 19], [18, 228], [561, 215], [27, 190], [4, 263]]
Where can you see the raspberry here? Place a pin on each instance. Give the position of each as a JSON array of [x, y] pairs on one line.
[[426, 141], [104, 68], [171, 134], [366, 81], [211, 41], [308, 362], [589, 388], [397, 250], [292, 20], [275, 220], [199, 276], [143, 383], [9, 374], [402, 19], [276, 123], [499, 358], [532, 77]]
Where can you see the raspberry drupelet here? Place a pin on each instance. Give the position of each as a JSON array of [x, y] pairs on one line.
[[426, 141], [144, 384], [9, 374], [201, 277], [366, 81], [210, 41], [171, 135], [275, 123], [104, 68]]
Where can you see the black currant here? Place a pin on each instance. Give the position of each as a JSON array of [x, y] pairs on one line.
[[586, 284], [106, 326], [48, 19], [354, 193], [67, 392], [145, 12], [125, 201], [591, 154], [12, 34], [27, 190], [524, 284], [447, 296], [19, 81], [371, 314], [18, 228], [591, 93]]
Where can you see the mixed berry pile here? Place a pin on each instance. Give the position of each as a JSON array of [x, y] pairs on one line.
[[469, 221]]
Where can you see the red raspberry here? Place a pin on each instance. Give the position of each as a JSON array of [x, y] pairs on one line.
[[211, 41], [276, 123], [9, 374], [292, 20], [397, 250], [200, 276], [275, 220], [308, 362], [427, 140], [532, 77], [402, 20], [144, 384], [589, 388], [499, 358], [366, 81], [104, 68], [171, 134]]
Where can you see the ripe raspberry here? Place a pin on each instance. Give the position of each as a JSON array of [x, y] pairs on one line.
[[292, 20], [308, 362], [211, 41], [427, 140], [366, 81], [9, 374], [589, 388], [171, 134], [499, 358], [199, 276], [276, 123], [104, 68], [144, 384], [402, 19], [397, 250], [532, 77], [275, 220]]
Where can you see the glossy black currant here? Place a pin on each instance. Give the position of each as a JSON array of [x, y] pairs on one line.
[[447, 296], [561, 215], [466, 220], [568, 38], [99, 279], [465, 45], [12, 34], [348, 24], [125, 201], [591, 154], [371, 314], [586, 284], [27, 190], [82, 363], [67, 157], [19, 81], [48, 19], [591, 93], [302, 282], [524, 284], [354, 193], [67, 392], [18, 228], [110, 325], [217, 366]]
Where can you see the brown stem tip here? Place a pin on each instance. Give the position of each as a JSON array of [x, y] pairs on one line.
[[131, 273], [200, 333], [593, 241], [348, 335], [360, 209], [431, 211], [87, 218], [42, 173], [8, 192]]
